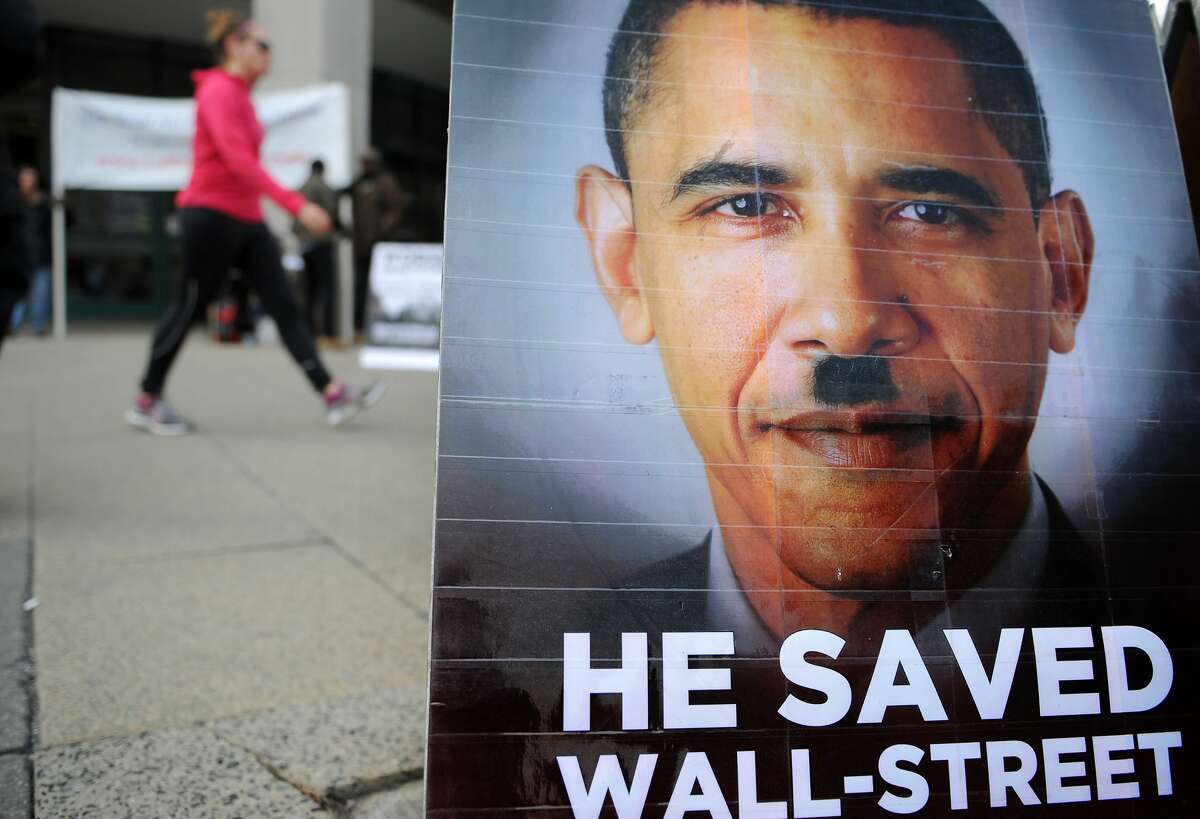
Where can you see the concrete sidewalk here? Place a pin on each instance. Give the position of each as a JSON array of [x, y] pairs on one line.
[[230, 624]]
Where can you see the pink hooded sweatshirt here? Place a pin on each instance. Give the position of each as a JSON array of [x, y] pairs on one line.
[[226, 173]]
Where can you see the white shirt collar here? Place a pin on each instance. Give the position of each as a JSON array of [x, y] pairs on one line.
[[728, 607]]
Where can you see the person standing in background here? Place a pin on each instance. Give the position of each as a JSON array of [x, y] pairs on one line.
[[19, 62], [221, 226], [38, 252], [318, 254], [379, 205]]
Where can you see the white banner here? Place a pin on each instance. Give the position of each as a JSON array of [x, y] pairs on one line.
[[117, 142]]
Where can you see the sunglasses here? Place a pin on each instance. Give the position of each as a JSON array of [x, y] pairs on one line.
[[263, 45]]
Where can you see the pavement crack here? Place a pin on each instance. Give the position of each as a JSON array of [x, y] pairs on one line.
[[328, 802], [379, 784], [366, 570], [317, 539], [251, 475], [349, 795]]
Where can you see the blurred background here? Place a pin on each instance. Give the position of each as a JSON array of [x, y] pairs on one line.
[[233, 623], [394, 55]]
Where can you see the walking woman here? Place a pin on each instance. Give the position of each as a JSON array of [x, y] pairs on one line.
[[221, 226]]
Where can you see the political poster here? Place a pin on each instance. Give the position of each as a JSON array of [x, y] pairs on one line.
[[405, 307], [818, 414]]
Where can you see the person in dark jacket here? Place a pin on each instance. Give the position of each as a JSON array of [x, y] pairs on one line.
[[318, 254], [37, 246], [380, 206], [18, 64]]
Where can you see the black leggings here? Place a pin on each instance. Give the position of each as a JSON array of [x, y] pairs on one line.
[[212, 243]]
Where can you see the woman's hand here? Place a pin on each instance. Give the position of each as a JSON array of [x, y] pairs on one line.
[[315, 219]]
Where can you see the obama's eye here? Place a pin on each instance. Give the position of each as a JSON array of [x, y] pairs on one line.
[[931, 213], [749, 206]]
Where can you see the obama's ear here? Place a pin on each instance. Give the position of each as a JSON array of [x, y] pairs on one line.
[[1065, 233], [604, 209]]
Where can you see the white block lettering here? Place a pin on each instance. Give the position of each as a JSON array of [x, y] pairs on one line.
[[679, 680], [587, 802], [990, 695], [696, 771], [955, 755], [1117, 640], [898, 651], [798, 670], [904, 778], [1052, 672], [1001, 779], [581, 681]]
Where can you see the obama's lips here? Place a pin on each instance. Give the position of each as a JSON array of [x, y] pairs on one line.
[[863, 438]]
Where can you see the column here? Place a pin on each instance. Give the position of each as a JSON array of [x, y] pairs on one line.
[[319, 41]]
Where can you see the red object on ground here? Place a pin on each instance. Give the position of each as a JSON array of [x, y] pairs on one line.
[[226, 173], [227, 321]]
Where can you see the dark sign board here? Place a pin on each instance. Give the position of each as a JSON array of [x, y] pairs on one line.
[[818, 414]]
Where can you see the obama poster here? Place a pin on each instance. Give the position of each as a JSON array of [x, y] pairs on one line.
[[818, 402]]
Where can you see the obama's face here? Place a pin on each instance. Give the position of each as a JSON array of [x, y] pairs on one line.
[[854, 298]]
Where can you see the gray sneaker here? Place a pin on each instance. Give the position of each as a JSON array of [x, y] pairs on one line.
[[157, 417], [350, 401]]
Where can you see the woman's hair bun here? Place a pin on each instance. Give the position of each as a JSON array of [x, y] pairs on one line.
[[221, 23]]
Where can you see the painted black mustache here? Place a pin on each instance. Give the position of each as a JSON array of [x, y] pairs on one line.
[[847, 382]]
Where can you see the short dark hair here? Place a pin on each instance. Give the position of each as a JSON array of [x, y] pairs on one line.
[[1002, 88], [318, 166]]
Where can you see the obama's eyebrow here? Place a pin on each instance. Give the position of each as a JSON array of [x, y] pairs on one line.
[[713, 173], [919, 179]]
